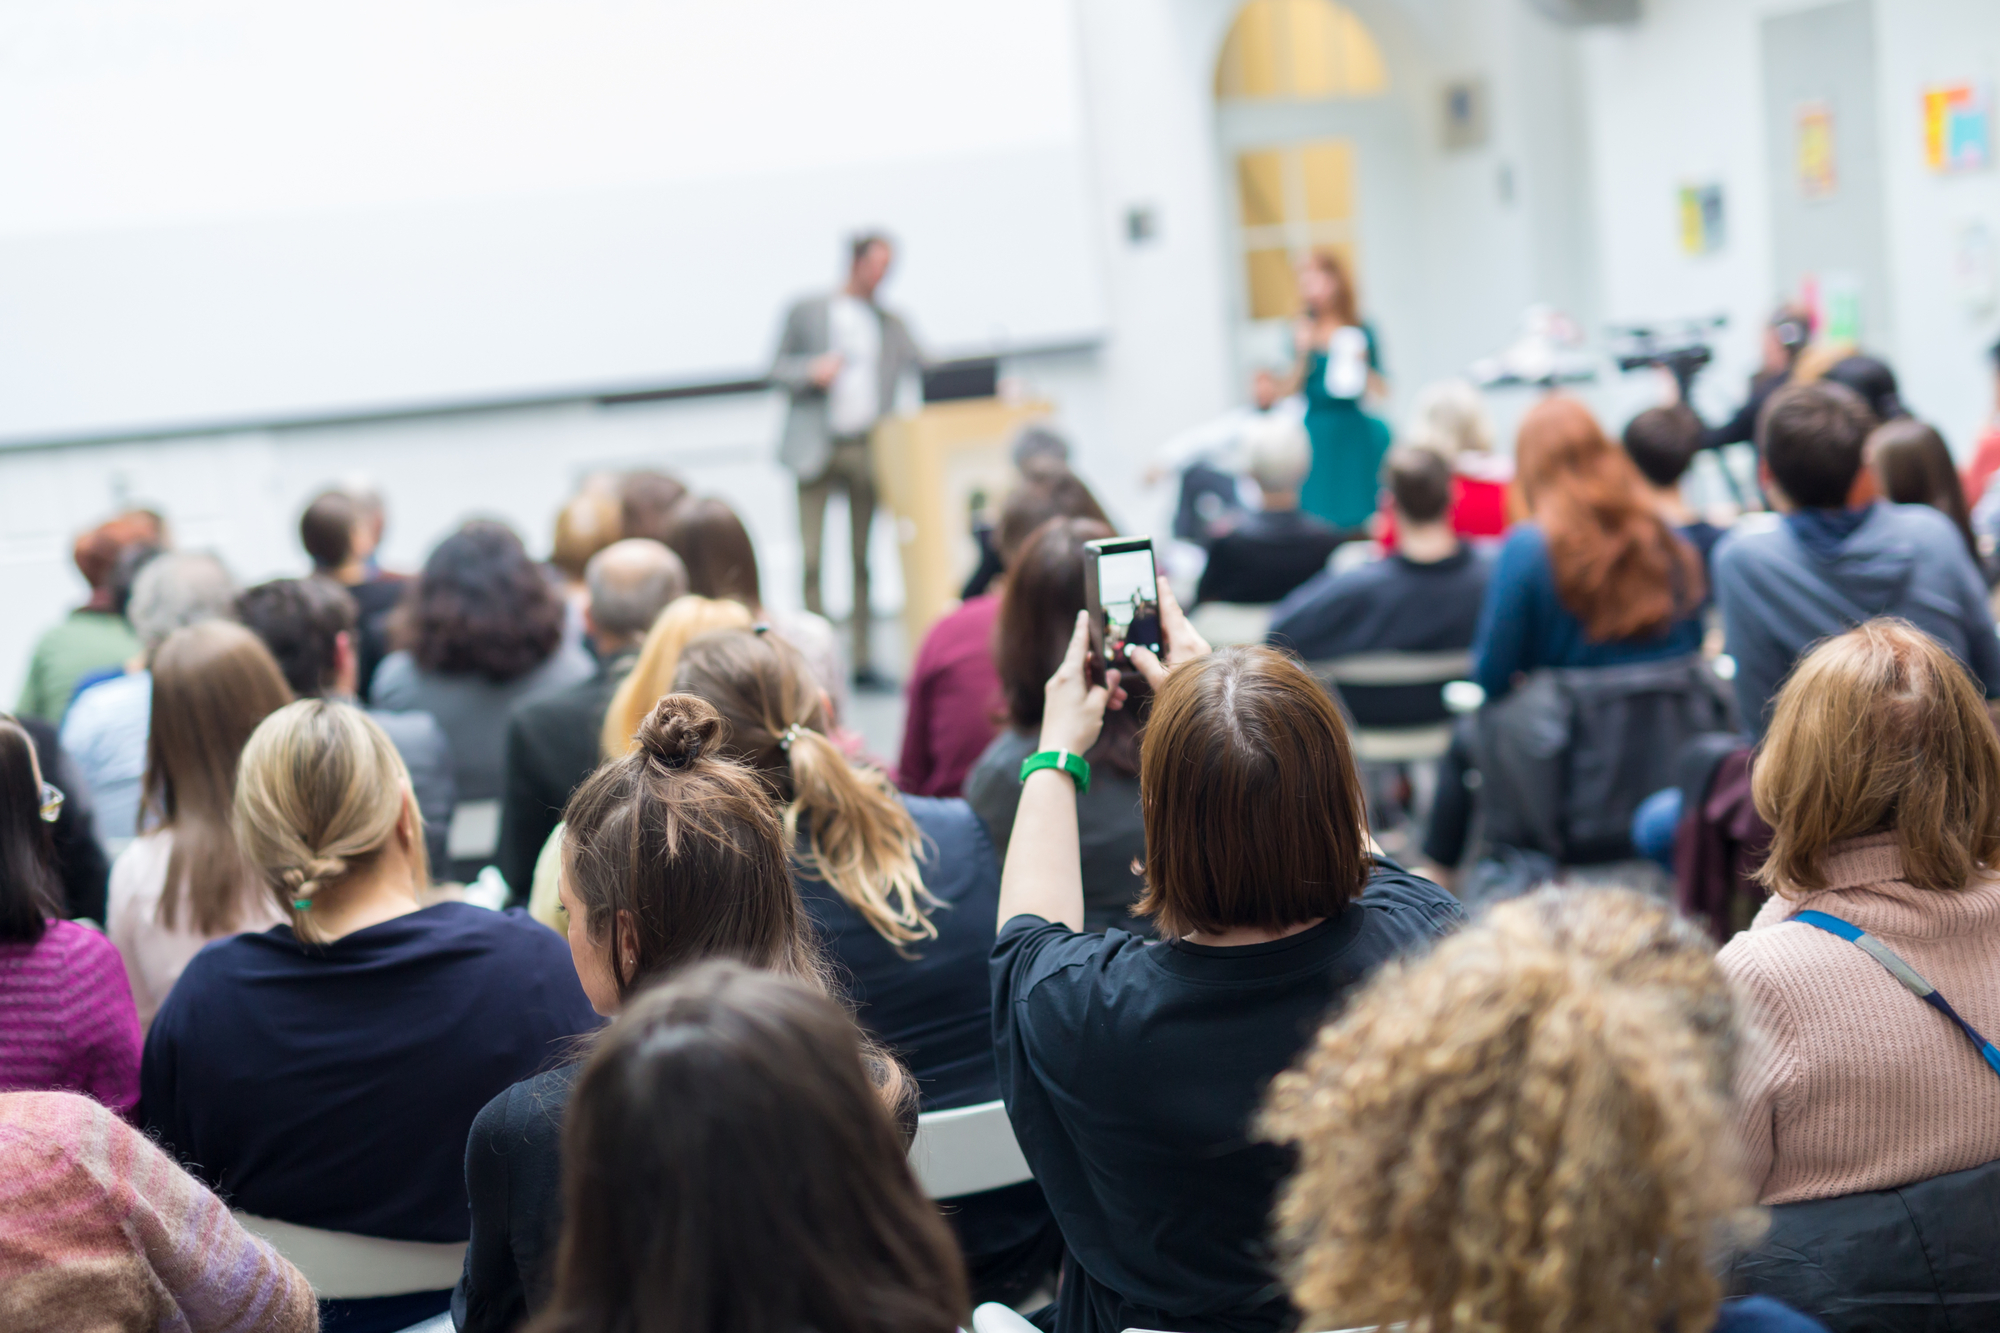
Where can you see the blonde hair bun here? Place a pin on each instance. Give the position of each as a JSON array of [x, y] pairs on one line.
[[680, 729]]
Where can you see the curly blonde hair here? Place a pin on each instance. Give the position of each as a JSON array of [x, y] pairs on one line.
[[1501, 1138]]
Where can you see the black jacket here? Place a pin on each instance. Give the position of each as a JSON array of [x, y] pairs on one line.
[[1922, 1258], [552, 746]]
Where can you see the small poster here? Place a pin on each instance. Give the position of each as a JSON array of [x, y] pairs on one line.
[[1701, 219], [1958, 127], [1815, 164]]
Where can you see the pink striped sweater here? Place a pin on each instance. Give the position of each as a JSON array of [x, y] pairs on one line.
[[99, 1230], [66, 1018], [1854, 1083]]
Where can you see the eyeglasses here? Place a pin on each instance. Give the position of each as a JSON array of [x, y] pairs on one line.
[[52, 799]]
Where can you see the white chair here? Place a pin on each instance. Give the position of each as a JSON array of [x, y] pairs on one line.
[[1392, 724], [343, 1266], [435, 1324], [994, 1317], [966, 1151], [1225, 623]]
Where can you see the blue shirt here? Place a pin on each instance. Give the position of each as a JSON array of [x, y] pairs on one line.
[[1524, 625], [333, 1085], [930, 1001]]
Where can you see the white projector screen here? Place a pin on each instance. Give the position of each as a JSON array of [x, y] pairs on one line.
[[239, 211]]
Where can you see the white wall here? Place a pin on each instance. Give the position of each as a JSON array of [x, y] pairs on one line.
[[1677, 99]]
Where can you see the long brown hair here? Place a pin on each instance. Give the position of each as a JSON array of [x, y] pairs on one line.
[[859, 838], [1032, 632], [1253, 805], [1618, 567], [1914, 466], [1346, 305], [1879, 730], [727, 1169], [30, 893], [716, 548], [1499, 1136], [212, 684]]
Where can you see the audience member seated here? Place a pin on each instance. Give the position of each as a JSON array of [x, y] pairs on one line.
[[1450, 420], [903, 892], [340, 530], [483, 630], [80, 862], [1279, 547], [1880, 776], [1662, 442], [1040, 605], [1985, 459], [954, 703], [651, 678], [1913, 466], [586, 524], [91, 638], [645, 499], [671, 854], [309, 626], [1871, 378], [1422, 598], [1594, 577], [185, 882], [104, 732], [1824, 564], [66, 1018], [326, 1072], [552, 738], [777, 1191], [105, 1232], [1132, 1068], [721, 562], [1526, 1129]]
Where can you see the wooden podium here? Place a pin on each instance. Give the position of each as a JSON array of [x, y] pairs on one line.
[[927, 467]]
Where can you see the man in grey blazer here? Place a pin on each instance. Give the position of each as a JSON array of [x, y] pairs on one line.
[[840, 359]]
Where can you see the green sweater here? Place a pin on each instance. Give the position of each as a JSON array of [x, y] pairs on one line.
[[87, 641]]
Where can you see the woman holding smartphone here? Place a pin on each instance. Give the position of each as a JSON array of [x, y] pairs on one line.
[[1132, 1068]]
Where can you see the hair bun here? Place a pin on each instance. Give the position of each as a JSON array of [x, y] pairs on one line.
[[679, 730]]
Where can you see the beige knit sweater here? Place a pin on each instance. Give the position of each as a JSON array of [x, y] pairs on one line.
[[1856, 1084]]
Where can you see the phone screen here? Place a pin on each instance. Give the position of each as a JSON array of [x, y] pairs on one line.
[[1129, 592]]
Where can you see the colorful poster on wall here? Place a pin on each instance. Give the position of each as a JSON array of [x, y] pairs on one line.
[[1701, 219], [1815, 159], [1958, 127]]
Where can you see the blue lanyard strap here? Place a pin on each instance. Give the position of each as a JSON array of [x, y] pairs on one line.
[[1903, 972]]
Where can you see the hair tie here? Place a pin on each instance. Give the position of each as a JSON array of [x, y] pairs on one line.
[[792, 733], [761, 627], [302, 904]]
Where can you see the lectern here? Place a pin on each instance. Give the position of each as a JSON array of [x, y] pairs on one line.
[[928, 465]]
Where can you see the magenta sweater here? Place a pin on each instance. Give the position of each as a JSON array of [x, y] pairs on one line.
[[66, 1018]]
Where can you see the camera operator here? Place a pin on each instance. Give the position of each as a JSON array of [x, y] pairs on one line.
[[1784, 338]]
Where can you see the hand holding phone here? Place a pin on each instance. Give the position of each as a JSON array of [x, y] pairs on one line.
[[1121, 591]]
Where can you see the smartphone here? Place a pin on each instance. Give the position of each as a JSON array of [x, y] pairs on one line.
[[1121, 589]]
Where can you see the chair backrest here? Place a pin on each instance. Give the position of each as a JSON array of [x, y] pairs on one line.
[[1225, 623], [1396, 701], [343, 1266], [967, 1150]]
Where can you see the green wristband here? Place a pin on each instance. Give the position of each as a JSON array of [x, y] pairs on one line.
[[1072, 764]]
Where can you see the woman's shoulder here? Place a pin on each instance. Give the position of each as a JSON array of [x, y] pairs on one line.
[[526, 1114], [80, 950], [1001, 758], [394, 684]]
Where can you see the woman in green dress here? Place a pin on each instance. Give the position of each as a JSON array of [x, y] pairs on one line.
[[1339, 366]]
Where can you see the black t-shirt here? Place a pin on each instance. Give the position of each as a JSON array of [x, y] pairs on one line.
[[1132, 1069], [928, 1001], [1266, 557]]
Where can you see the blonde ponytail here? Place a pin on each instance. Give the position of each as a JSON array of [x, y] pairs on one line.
[[319, 792], [859, 838]]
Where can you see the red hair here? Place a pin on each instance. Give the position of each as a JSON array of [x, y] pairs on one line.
[[1618, 567]]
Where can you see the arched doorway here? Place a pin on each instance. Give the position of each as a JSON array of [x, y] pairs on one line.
[[1309, 135]]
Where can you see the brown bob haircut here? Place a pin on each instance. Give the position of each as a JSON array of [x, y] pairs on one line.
[[1253, 807], [1880, 730]]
